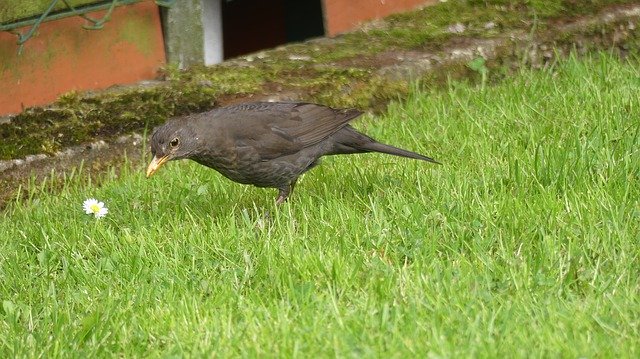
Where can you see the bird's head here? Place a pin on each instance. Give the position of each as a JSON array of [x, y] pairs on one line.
[[172, 141]]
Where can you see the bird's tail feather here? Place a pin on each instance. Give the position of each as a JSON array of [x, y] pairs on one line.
[[348, 140], [391, 150]]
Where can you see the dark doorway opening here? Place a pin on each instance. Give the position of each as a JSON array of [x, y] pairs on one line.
[[252, 25]]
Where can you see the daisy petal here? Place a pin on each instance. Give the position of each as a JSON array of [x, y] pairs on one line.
[[95, 207], [88, 204], [102, 212]]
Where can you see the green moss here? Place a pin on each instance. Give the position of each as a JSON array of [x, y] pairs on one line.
[[8, 61], [11, 10], [75, 119], [428, 27], [137, 31]]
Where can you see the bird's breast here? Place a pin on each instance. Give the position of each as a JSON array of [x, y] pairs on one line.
[[238, 165]]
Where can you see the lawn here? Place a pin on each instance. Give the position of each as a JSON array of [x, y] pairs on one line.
[[524, 243]]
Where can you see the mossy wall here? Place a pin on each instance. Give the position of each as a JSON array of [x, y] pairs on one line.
[[12, 10]]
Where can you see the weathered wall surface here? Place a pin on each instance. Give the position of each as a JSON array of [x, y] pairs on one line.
[[341, 16], [63, 56], [11, 10], [184, 33]]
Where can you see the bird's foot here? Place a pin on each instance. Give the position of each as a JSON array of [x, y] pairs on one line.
[[284, 192], [281, 199]]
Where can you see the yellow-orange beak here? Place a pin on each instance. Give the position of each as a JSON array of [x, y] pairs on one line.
[[155, 164]]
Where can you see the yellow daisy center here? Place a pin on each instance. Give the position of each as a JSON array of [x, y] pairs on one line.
[[94, 208]]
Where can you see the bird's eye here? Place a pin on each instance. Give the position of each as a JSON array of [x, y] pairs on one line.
[[174, 142]]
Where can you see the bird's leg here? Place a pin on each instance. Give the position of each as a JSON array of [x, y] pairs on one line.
[[285, 192]]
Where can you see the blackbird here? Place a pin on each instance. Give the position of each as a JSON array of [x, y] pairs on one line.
[[266, 144]]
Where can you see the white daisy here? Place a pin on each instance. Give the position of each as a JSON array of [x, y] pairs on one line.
[[93, 206]]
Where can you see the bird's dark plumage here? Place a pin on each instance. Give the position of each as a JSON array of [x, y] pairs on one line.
[[266, 144]]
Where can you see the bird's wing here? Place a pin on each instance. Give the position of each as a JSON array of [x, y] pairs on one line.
[[278, 129], [309, 124]]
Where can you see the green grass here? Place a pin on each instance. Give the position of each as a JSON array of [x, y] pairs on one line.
[[523, 244]]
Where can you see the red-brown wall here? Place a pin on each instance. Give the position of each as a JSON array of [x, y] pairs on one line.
[[344, 15], [63, 56]]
